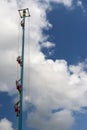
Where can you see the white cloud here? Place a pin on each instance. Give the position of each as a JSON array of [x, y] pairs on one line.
[[48, 44], [55, 87], [5, 124], [56, 121]]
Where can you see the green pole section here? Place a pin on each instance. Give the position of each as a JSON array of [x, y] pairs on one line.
[[22, 71]]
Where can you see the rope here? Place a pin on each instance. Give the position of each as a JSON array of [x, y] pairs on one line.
[[28, 60], [27, 67], [17, 117], [19, 39], [18, 66], [19, 50], [28, 54]]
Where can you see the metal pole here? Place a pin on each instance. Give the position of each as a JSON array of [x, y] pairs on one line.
[[23, 13], [22, 74]]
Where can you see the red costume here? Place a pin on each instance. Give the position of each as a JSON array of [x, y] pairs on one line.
[[18, 86], [17, 108]]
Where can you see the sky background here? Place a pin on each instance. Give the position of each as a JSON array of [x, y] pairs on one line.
[[55, 76]]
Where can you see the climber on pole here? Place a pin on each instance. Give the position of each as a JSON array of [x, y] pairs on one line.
[[18, 85], [17, 108], [19, 60]]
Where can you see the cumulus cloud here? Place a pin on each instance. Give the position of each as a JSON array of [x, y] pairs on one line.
[[9, 37], [57, 87], [50, 85], [5, 124], [56, 121]]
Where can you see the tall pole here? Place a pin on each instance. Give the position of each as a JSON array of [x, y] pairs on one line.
[[22, 69], [23, 13]]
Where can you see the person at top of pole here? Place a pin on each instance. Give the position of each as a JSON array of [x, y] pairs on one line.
[[22, 21]]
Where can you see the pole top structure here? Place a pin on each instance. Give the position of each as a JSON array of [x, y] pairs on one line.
[[24, 12]]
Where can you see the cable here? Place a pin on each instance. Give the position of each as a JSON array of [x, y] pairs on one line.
[[28, 55], [28, 58], [19, 49]]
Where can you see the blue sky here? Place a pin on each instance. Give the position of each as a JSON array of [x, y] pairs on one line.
[[55, 76], [69, 33]]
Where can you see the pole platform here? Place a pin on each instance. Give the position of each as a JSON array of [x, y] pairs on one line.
[[24, 13]]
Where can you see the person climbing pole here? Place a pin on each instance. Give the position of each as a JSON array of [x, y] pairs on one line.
[[17, 108], [22, 23], [19, 60], [18, 85]]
